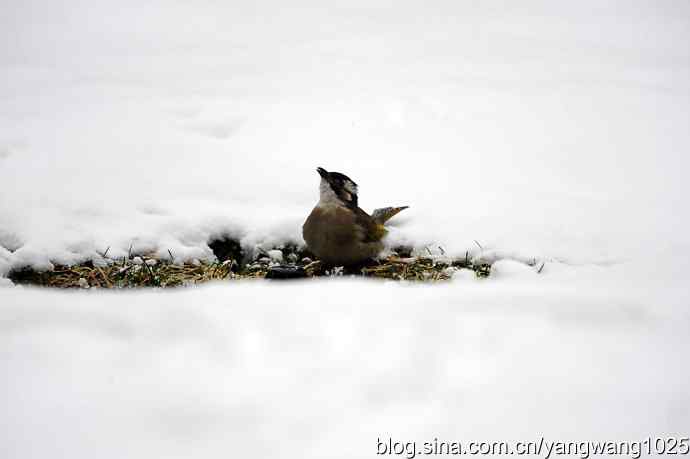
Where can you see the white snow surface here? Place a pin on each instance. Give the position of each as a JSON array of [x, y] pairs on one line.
[[546, 130], [324, 368], [542, 129]]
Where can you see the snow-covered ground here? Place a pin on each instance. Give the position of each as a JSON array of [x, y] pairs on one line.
[[549, 130], [544, 128], [323, 368]]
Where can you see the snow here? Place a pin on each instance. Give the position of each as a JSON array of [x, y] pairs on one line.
[[275, 255], [324, 368], [554, 132], [165, 125]]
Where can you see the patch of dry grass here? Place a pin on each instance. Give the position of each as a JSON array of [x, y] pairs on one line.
[[126, 275], [142, 271], [422, 269]]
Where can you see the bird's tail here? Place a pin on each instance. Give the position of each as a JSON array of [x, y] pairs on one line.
[[384, 214]]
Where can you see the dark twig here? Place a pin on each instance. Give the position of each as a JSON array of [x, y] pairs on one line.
[[148, 268]]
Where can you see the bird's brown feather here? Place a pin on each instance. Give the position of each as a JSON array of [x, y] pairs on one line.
[[372, 230], [384, 214], [341, 236]]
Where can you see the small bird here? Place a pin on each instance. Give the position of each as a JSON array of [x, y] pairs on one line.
[[337, 231]]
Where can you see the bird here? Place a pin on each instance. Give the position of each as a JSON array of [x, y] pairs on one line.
[[337, 231]]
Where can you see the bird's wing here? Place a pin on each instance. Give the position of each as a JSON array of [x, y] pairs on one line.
[[373, 231], [384, 214]]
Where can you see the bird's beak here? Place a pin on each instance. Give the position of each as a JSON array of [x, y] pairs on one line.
[[322, 172]]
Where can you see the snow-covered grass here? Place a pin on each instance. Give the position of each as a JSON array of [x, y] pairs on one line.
[[542, 129]]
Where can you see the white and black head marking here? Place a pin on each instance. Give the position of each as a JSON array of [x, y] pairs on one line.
[[335, 185]]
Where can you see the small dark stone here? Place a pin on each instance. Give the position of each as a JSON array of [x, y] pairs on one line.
[[285, 272], [305, 253], [403, 251], [227, 249]]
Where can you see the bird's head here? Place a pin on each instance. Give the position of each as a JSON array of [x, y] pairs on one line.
[[336, 188]]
